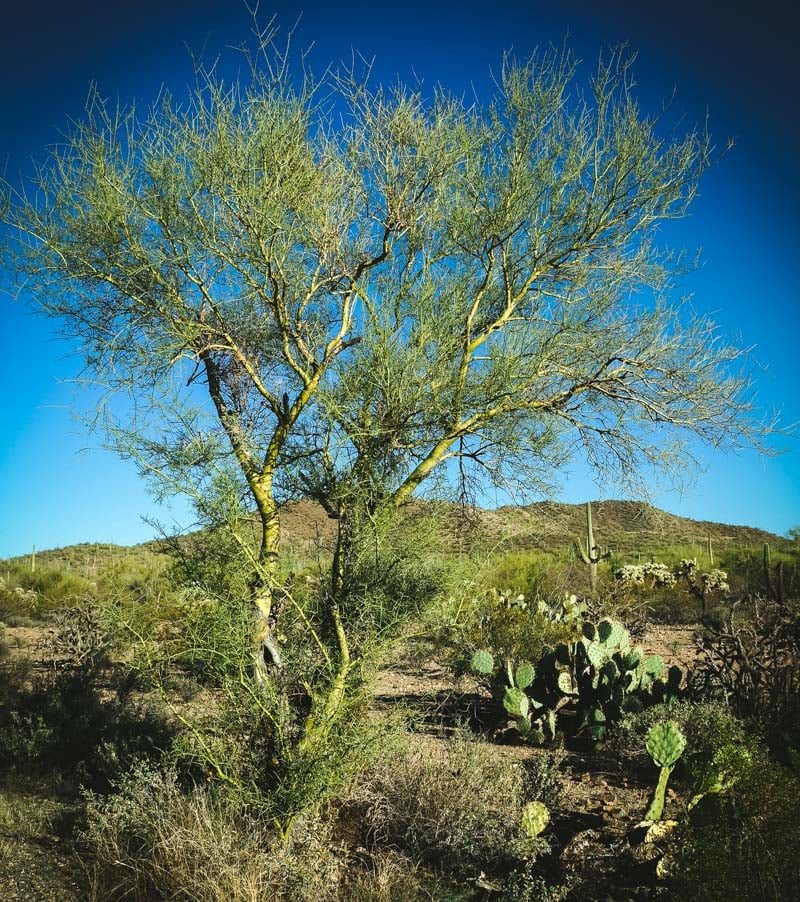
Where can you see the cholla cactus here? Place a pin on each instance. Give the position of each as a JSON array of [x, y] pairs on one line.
[[629, 576], [654, 573], [703, 584], [659, 574], [715, 581]]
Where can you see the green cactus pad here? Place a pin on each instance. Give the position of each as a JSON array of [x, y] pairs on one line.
[[482, 662], [589, 630], [596, 723], [524, 675], [535, 818], [565, 683], [596, 654], [524, 726], [610, 632], [596, 715], [629, 661], [654, 666], [631, 681], [610, 672], [665, 743], [515, 702]]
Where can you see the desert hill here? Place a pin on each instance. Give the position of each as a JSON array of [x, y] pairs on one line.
[[624, 526]]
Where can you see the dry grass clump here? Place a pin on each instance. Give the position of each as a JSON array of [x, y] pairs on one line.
[[453, 806], [416, 820], [154, 840]]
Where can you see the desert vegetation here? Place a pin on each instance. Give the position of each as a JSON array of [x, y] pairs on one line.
[[327, 301], [514, 740]]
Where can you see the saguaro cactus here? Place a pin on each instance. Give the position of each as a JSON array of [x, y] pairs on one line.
[[775, 586], [591, 554]]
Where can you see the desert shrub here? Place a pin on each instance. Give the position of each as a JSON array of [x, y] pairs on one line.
[[453, 806], [706, 725], [524, 884], [387, 875], [80, 637], [60, 722], [749, 848], [753, 664], [37, 594], [20, 606], [154, 839], [526, 572], [232, 737], [513, 626]]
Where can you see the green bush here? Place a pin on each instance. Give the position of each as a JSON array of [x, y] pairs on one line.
[[61, 722], [526, 572], [748, 848], [706, 725], [514, 629]]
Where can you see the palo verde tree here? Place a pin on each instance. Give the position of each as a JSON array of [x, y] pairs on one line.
[[340, 290]]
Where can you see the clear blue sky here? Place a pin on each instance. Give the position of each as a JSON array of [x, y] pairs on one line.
[[741, 65]]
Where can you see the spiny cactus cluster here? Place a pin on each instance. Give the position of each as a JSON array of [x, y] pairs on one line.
[[567, 610], [512, 599], [600, 674], [715, 581], [651, 575]]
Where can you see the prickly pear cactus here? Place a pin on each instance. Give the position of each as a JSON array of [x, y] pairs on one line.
[[665, 743], [525, 675], [595, 652], [482, 662], [610, 633], [516, 702], [564, 683], [596, 723], [535, 817], [654, 666]]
